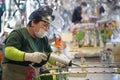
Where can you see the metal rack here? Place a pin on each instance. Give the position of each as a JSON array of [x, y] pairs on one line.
[[79, 71]]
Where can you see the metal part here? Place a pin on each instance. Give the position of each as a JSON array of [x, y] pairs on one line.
[[104, 72], [37, 71], [84, 67], [76, 64], [78, 69]]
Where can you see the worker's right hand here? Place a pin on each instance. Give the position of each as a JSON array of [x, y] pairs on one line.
[[35, 57]]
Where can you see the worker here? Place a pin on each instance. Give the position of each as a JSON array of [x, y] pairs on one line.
[[28, 45], [77, 13]]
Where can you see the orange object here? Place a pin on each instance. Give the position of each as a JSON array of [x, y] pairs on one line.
[[57, 43], [1, 57]]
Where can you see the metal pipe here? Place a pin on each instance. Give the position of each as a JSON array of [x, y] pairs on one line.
[[83, 66], [103, 63], [67, 73]]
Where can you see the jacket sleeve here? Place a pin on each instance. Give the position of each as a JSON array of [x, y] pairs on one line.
[[14, 54]]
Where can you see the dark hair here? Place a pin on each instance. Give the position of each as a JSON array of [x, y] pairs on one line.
[[84, 3], [35, 21]]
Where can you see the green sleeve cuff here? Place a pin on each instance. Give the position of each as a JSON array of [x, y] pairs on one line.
[[14, 54], [52, 62]]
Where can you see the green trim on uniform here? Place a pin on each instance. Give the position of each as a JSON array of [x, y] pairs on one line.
[[52, 62]]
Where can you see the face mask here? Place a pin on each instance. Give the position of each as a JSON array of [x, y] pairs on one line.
[[42, 33]]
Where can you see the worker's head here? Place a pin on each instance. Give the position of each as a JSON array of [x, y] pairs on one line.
[[40, 19], [43, 13], [83, 4]]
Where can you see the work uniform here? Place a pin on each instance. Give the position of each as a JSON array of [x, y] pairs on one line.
[[22, 40], [76, 16]]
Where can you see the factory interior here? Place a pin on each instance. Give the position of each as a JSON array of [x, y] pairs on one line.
[[91, 46]]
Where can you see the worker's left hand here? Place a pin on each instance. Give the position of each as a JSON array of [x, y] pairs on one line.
[[61, 59]]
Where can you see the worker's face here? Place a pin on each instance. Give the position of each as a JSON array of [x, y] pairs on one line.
[[42, 24], [41, 29], [83, 8]]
